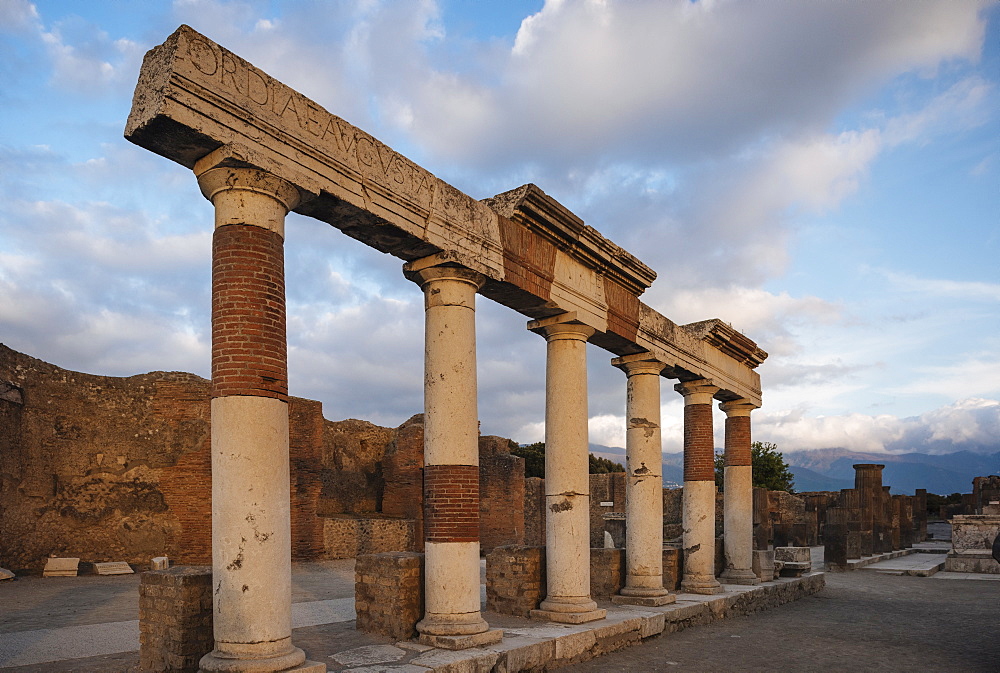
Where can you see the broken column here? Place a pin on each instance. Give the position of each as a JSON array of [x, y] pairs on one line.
[[699, 488], [643, 485], [738, 494], [868, 483], [452, 616], [567, 474], [850, 502], [251, 530]]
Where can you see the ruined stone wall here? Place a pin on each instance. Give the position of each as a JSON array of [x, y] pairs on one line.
[[534, 512], [108, 468], [608, 487]]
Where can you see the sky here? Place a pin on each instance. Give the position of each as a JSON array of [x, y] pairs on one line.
[[824, 176]]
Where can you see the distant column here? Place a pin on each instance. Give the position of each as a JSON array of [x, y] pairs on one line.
[[699, 488], [452, 616], [738, 489], [643, 484], [251, 530], [567, 475]]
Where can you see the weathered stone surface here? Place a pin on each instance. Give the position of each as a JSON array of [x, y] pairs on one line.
[[175, 619], [61, 567], [389, 593], [6, 574], [113, 568]]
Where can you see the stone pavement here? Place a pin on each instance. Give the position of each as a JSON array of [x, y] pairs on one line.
[[861, 621], [88, 624]]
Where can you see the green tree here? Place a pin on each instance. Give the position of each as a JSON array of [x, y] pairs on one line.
[[770, 470], [534, 461]]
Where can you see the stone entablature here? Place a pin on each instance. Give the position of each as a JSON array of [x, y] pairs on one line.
[[198, 103]]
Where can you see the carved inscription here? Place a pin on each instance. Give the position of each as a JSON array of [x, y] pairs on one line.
[[289, 112]]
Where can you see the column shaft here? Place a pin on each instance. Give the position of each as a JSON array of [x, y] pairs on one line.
[[738, 503], [567, 477], [452, 617], [643, 485], [251, 529], [699, 489]]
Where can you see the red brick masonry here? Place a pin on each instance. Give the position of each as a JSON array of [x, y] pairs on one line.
[[249, 354], [451, 503], [738, 441], [699, 452]]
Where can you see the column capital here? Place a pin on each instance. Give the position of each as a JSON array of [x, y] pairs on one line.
[[699, 391], [427, 269], [244, 195], [740, 407], [562, 326], [638, 363]]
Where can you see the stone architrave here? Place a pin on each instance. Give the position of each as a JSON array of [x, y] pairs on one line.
[[643, 485], [699, 489], [251, 528], [738, 494], [567, 474], [113, 568], [195, 97], [61, 567], [452, 616]]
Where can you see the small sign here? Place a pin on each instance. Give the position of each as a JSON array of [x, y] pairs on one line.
[[607, 504], [113, 568]]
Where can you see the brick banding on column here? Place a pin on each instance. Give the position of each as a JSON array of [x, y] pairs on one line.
[[699, 452], [451, 503], [249, 354], [738, 441]]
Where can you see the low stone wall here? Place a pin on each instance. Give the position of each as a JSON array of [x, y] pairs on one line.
[[350, 536], [389, 593], [606, 572], [175, 619]]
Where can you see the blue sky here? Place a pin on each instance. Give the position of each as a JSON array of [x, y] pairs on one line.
[[825, 176]]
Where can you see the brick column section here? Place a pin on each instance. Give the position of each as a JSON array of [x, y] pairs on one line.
[[251, 529], [699, 488], [868, 482], [643, 485], [452, 617], [738, 505], [567, 478]]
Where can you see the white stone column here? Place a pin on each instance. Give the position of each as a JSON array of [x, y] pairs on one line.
[[643, 484], [699, 489], [452, 616], [738, 489], [567, 474], [251, 528]]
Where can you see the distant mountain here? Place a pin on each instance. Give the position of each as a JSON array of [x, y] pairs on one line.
[[833, 469], [904, 472]]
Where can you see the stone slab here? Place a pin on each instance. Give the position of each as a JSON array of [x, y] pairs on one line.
[[6, 574], [61, 567], [159, 563], [644, 601], [113, 568]]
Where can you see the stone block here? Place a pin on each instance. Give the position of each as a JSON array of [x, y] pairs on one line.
[[6, 574], [61, 567], [113, 568], [792, 554], [515, 579], [175, 619], [835, 546], [763, 565], [159, 563], [607, 569], [673, 566], [389, 593]]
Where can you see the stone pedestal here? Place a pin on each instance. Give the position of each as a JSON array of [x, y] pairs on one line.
[[567, 479], [643, 486], [452, 616], [251, 530], [699, 489], [738, 504], [972, 539], [175, 619]]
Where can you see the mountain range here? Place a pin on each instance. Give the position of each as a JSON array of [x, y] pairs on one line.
[[832, 469]]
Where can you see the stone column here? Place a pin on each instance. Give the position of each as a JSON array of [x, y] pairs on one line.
[[643, 484], [738, 485], [699, 488], [251, 529], [868, 482], [452, 616], [567, 474]]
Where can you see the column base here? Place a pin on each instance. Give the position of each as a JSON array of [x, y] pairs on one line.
[[569, 617], [452, 626], [701, 586], [491, 637], [292, 662], [739, 576], [649, 598]]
